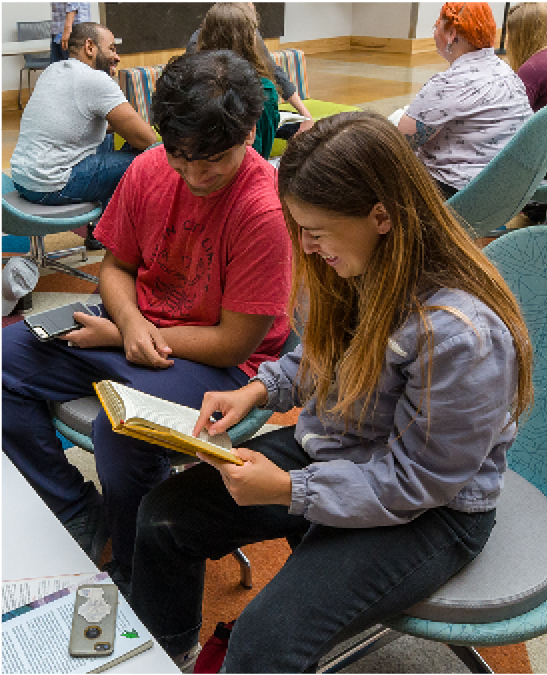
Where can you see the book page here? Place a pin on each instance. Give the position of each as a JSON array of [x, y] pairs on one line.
[[27, 594], [20, 592], [165, 413], [37, 642]]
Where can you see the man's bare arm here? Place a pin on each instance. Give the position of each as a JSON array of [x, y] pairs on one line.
[[126, 121], [228, 343], [416, 132]]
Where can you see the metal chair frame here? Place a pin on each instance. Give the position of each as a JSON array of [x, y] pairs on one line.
[[32, 30]]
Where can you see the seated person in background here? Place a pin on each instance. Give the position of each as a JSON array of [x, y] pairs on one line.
[[233, 25], [464, 116], [527, 48], [63, 154], [288, 90], [391, 476], [195, 283], [527, 53]]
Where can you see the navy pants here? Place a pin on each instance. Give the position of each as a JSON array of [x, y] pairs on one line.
[[334, 577], [35, 372]]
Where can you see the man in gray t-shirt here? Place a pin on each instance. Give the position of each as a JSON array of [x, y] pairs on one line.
[[63, 154]]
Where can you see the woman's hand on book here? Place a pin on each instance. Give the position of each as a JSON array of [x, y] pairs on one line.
[[96, 331], [259, 481], [233, 406]]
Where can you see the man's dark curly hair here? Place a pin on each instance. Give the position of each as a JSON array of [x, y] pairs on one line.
[[206, 103]]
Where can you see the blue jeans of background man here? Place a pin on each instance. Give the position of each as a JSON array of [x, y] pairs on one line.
[[94, 179], [57, 53], [335, 577], [35, 372]]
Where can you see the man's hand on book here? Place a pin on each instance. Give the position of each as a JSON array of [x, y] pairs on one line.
[[232, 405], [258, 482], [96, 331]]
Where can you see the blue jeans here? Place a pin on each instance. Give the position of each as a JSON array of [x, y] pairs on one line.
[[334, 578], [57, 53], [94, 179], [35, 372]]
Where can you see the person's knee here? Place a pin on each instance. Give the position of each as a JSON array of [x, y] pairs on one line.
[[257, 637]]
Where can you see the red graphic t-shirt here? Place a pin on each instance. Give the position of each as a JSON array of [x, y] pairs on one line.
[[196, 255]]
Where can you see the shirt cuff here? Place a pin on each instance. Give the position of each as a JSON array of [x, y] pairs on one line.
[[271, 386], [299, 491]]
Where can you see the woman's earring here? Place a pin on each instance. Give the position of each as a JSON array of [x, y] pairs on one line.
[[449, 47]]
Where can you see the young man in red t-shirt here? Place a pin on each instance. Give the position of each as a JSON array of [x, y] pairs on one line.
[[194, 282]]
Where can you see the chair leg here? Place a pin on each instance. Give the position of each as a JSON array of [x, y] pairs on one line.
[[245, 565], [43, 259], [355, 650], [20, 88], [470, 657]]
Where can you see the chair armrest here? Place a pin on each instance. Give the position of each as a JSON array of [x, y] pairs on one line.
[[293, 62]]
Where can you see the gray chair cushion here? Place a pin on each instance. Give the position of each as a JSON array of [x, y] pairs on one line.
[[78, 414], [509, 577], [15, 200]]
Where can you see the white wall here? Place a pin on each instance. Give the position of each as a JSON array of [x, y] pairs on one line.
[[12, 12], [314, 20], [428, 13], [381, 19]]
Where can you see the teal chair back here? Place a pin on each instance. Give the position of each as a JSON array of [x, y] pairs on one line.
[[7, 184], [521, 258], [509, 180]]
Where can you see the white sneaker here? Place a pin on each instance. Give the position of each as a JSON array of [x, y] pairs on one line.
[[186, 661]]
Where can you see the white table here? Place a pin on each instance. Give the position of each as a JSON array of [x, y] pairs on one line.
[[35, 544]]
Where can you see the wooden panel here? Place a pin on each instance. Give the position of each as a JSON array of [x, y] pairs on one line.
[[376, 44], [160, 58], [318, 46], [166, 26]]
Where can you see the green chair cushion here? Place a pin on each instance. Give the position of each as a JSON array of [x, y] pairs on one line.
[[318, 109]]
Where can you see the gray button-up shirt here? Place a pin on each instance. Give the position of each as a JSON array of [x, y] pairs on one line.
[[415, 450]]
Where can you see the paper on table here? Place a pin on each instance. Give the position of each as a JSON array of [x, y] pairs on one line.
[[37, 642], [21, 592]]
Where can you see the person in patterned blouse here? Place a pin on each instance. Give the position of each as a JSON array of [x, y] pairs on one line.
[[462, 118]]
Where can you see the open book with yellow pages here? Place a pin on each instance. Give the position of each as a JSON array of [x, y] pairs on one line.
[[152, 419]]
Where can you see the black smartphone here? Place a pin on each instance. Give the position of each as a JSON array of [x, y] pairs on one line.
[[55, 322]]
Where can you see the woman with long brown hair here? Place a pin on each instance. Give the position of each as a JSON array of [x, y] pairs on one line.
[[233, 25], [527, 54], [527, 48], [414, 368]]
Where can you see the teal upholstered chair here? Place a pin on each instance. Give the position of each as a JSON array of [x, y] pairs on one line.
[[74, 420], [500, 598], [25, 219], [508, 182]]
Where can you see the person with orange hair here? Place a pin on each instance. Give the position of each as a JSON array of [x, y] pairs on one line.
[[464, 116]]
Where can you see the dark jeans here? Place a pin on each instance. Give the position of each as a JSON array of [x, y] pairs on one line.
[[447, 190], [35, 372], [57, 53], [94, 179], [333, 577]]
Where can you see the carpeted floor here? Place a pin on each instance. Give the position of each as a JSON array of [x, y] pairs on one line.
[[224, 596]]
